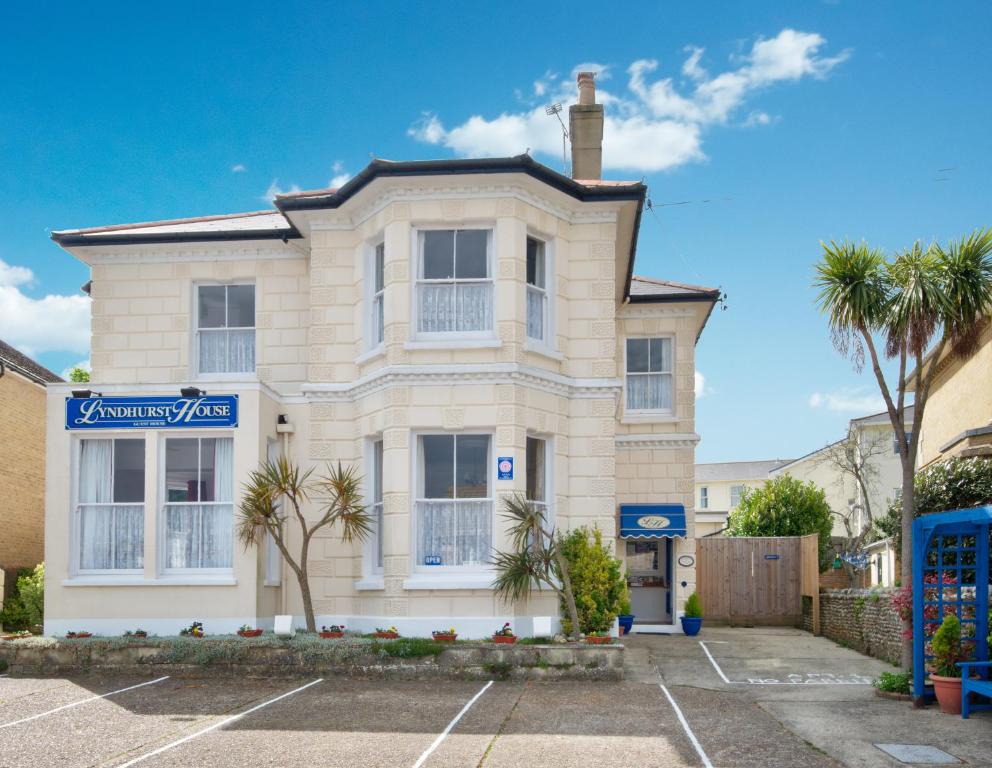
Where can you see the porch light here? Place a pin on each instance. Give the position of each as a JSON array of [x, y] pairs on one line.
[[191, 392]]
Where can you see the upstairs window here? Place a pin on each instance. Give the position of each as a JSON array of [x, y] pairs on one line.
[[454, 281], [110, 514], [225, 328], [377, 286], [537, 290], [736, 492], [649, 374], [704, 497], [537, 473]]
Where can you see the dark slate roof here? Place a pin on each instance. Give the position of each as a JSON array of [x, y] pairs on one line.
[[651, 289], [25, 365]]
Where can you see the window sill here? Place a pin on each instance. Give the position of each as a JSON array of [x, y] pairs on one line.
[[481, 343], [370, 583], [139, 581], [450, 581], [540, 349], [648, 417], [372, 354], [268, 583]]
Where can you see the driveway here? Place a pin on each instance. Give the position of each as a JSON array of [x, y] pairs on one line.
[[683, 704]]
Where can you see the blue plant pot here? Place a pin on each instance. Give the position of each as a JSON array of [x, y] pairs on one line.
[[626, 621], [691, 625]]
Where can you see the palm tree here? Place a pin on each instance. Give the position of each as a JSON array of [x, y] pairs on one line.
[[278, 484], [536, 558], [933, 297]]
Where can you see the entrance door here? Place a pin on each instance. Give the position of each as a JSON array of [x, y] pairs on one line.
[[649, 580]]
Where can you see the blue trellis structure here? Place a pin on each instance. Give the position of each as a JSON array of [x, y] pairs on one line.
[[952, 548]]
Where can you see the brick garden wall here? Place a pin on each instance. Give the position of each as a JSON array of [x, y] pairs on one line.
[[861, 619]]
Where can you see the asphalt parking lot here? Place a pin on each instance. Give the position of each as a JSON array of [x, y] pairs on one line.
[[741, 698]]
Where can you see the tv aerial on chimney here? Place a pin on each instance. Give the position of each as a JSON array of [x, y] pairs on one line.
[[555, 109]]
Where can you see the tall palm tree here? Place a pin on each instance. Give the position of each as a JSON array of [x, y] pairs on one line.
[[934, 297], [278, 484]]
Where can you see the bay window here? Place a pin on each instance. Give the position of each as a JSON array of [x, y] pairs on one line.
[[110, 513], [225, 328], [537, 291], [375, 506], [454, 506], [199, 507], [377, 288], [454, 281], [537, 474], [649, 374]]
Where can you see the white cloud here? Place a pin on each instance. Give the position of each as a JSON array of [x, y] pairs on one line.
[[701, 387], [52, 323], [340, 177], [238, 168], [654, 124], [848, 400], [274, 189], [602, 71]]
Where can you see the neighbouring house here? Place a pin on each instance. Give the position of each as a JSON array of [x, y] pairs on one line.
[[957, 420], [22, 459], [458, 329], [719, 487]]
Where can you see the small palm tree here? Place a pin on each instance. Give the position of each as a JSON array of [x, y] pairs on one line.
[[536, 558], [278, 485], [936, 297]]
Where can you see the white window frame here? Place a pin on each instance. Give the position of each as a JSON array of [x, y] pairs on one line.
[[372, 297], [75, 525], [161, 528], [740, 495], [273, 557], [417, 462], [548, 343], [704, 497], [416, 250], [372, 556], [653, 411], [549, 475], [195, 340]]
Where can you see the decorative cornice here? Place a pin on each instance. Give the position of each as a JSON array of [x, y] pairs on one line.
[[664, 440], [162, 254], [453, 375]]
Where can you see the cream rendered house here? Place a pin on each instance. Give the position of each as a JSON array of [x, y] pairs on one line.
[[719, 486], [458, 329]]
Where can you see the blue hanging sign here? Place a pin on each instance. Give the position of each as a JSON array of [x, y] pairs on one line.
[[504, 468], [432, 559], [151, 412]]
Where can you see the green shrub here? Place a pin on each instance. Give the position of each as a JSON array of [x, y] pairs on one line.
[[894, 682], [597, 580], [693, 607], [784, 507], [946, 646], [411, 647], [25, 607]]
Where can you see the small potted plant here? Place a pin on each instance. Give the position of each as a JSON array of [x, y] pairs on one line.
[[386, 634], [692, 618], [73, 635], [598, 638], [193, 630], [333, 631], [140, 633], [444, 635], [945, 674], [504, 635], [247, 630], [626, 618]]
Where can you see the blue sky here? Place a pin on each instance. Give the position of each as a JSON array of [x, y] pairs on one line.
[[798, 122]]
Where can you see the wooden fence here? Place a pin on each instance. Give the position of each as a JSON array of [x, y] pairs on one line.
[[752, 580]]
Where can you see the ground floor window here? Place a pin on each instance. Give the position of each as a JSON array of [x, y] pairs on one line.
[[375, 505], [454, 506], [537, 474], [111, 505], [199, 509], [273, 557]]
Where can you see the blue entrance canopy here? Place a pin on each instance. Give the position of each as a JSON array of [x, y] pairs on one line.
[[652, 521]]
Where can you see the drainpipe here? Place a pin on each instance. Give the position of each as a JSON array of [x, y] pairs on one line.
[[284, 428]]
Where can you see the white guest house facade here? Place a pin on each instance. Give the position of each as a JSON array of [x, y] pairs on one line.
[[459, 330]]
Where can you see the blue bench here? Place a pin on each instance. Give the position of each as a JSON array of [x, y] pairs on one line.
[[974, 685]]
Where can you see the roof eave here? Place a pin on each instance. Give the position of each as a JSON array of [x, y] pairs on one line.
[[69, 240]]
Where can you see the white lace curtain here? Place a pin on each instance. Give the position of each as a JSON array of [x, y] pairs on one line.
[[111, 536], [535, 313], [202, 535], [460, 532], [455, 306], [649, 391], [223, 351]]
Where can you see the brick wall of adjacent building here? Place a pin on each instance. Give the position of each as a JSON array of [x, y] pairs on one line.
[[22, 471], [861, 619]]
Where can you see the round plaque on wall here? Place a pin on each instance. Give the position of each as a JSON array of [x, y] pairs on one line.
[[687, 561]]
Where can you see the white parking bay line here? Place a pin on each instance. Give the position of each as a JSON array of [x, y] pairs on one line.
[[82, 701], [686, 728], [446, 731], [217, 725], [713, 661]]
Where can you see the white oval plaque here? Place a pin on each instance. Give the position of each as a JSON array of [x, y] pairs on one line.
[[653, 521]]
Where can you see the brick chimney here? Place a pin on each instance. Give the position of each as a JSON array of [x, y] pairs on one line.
[[585, 128]]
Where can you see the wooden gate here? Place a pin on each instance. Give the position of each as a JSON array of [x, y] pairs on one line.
[[752, 580]]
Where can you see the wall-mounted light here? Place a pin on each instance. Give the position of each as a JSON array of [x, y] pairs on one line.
[[191, 392], [282, 419], [84, 393]]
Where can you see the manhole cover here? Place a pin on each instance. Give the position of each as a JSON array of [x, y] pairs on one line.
[[918, 754]]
